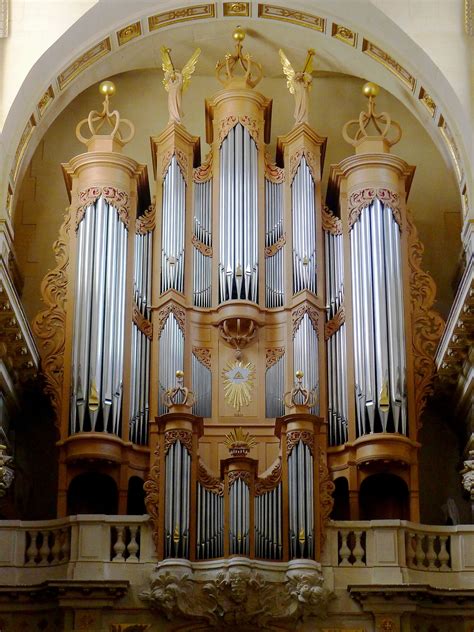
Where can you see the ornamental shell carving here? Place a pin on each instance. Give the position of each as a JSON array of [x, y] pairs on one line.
[[115, 197], [331, 223], [272, 172], [358, 200], [203, 173], [146, 222]]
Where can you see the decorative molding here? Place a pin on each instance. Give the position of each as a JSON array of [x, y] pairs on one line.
[[273, 355], [326, 490], [295, 436], [390, 63], [203, 355], [45, 101], [313, 314], [427, 101], [229, 122], [469, 17], [273, 12], [113, 196], [205, 250], [203, 173], [129, 33], [3, 18], [239, 442], [181, 159], [184, 436], [344, 34], [21, 148], [153, 490], [208, 481], [83, 62], [236, 9], [178, 312], [448, 138], [331, 223], [238, 378], [235, 475], [49, 325], [297, 157], [335, 323], [146, 222], [467, 474], [196, 12], [361, 198], [272, 172], [270, 251], [142, 323], [265, 484], [427, 324]]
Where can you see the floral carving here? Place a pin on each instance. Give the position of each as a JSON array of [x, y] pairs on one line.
[[335, 323], [226, 124], [210, 482], [294, 436], [272, 172], [142, 323], [363, 197], [146, 222], [203, 173], [152, 495], [113, 196], [203, 248], [298, 314], [273, 355], [234, 475], [49, 324], [326, 490], [177, 311], [267, 483], [184, 436], [427, 324], [204, 355], [331, 223], [181, 159], [274, 248], [297, 157]]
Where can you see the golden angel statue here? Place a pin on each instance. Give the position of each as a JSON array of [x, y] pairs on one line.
[[176, 82], [299, 84]]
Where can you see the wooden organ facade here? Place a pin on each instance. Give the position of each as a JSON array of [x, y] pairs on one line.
[[237, 344]]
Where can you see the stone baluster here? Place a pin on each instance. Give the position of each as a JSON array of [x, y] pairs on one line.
[[32, 550], [410, 552], [133, 544], [443, 555], [56, 548], [358, 551], [119, 546], [419, 553], [431, 553], [65, 544], [344, 551], [44, 550]]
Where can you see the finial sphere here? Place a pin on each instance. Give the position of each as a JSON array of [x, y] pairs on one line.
[[299, 374], [370, 89], [107, 88], [239, 34], [179, 374]]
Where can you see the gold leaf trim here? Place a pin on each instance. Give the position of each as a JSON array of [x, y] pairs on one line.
[[236, 9], [266, 484], [49, 324], [427, 101], [21, 148], [335, 323], [270, 251], [142, 323], [113, 196], [389, 62], [273, 355], [45, 101], [344, 34], [196, 12], [129, 33], [203, 248], [83, 62], [331, 223], [208, 481], [203, 173], [273, 12], [203, 355], [178, 312], [448, 137], [358, 200]]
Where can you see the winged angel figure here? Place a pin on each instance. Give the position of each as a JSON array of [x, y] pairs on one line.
[[299, 84], [176, 82]]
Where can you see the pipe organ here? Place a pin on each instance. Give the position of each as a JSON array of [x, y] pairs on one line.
[[236, 279]]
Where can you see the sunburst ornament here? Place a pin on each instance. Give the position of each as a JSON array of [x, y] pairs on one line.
[[239, 378]]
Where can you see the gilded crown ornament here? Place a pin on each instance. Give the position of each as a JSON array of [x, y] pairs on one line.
[[176, 82], [226, 68], [370, 125], [179, 395], [239, 443], [96, 120], [299, 396], [299, 84]]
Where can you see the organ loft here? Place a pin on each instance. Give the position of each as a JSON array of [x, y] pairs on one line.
[[245, 359]]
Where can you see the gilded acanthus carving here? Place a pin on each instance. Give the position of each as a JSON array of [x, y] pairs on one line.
[[427, 324], [204, 355], [49, 324], [326, 490], [239, 597], [335, 323], [227, 123], [358, 200], [181, 159], [274, 248], [146, 222], [294, 436], [210, 482], [142, 323], [152, 494], [185, 437], [113, 196], [234, 475], [203, 248], [203, 173], [297, 157], [177, 311], [269, 482], [272, 172], [273, 355], [298, 315], [331, 223]]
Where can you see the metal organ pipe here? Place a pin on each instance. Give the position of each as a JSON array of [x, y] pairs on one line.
[[274, 289], [171, 357], [173, 224], [305, 356], [202, 232], [202, 388], [304, 230], [177, 499], [274, 389], [300, 501]]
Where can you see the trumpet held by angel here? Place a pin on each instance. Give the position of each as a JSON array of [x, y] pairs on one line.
[[176, 82], [299, 84]]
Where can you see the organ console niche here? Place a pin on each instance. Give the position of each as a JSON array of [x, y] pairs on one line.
[[238, 345]]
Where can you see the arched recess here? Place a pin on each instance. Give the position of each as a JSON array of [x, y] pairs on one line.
[[135, 497], [92, 49], [341, 507], [383, 496], [92, 493]]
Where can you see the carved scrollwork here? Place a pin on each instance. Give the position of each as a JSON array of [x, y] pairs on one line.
[[269, 482], [326, 490], [146, 222], [210, 482], [297, 157], [204, 355], [152, 495], [181, 159], [184, 436], [331, 223], [203, 173], [234, 475], [335, 323], [142, 323], [272, 172], [363, 197], [294, 436], [313, 314], [427, 324], [274, 248], [113, 196], [178, 312], [227, 123], [273, 355], [49, 324], [203, 248]]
